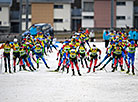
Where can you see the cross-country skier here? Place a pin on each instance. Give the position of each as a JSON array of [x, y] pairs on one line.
[[93, 56], [131, 56], [7, 49], [39, 52], [73, 56]]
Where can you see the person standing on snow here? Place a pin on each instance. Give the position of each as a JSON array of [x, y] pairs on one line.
[[135, 34], [39, 52], [131, 56], [16, 53], [73, 56], [93, 56], [7, 49], [117, 57], [106, 37]]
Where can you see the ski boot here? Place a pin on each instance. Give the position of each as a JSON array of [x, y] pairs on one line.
[[63, 68], [73, 72], [122, 68], [67, 70], [10, 70], [79, 73], [89, 70], [14, 69], [128, 71], [57, 69], [82, 66], [94, 69], [114, 68], [133, 71], [25, 68], [6, 70]]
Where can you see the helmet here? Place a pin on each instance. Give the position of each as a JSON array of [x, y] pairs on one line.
[[15, 40], [132, 42]]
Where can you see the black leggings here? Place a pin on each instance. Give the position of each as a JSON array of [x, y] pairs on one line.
[[7, 58]]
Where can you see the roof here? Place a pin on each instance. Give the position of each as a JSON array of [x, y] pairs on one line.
[[5, 2], [49, 1]]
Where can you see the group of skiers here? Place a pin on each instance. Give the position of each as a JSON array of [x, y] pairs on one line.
[[72, 52], [120, 49], [25, 50]]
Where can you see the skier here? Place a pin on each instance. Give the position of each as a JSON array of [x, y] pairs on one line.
[[16, 53], [73, 56], [117, 57], [39, 52], [82, 55], [7, 49], [131, 56], [93, 56], [23, 58]]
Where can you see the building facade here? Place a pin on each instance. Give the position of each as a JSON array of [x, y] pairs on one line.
[[97, 13], [55, 12], [5, 15]]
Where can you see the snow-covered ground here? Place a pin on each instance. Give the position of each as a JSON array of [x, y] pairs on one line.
[[44, 86]]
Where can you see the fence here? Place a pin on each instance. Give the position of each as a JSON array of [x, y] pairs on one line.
[[9, 37]]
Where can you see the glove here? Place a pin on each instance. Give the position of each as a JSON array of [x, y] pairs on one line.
[[99, 57], [57, 59]]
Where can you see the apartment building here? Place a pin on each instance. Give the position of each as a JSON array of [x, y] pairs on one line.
[[97, 13], [55, 12], [5, 15]]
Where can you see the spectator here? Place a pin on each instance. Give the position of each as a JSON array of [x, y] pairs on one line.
[[135, 34], [131, 37], [92, 35], [33, 30], [106, 37]]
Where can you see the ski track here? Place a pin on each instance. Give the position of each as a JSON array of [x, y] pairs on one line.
[[44, 86]]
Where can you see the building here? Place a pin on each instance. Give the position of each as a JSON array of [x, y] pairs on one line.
[[136, 14], [124, 13], [55, 12], [87, 13], [5, 15], [97, 13], [76, 15], [14, 17]]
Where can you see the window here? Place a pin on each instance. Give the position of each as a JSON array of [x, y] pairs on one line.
[[0, 22], [88, 6], [58, 6], [121, 3], [24, 9], [120, 17], [0, 9], [88, 17], [58, 20]]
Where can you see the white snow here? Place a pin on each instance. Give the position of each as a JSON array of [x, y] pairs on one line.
[[44, 86]]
